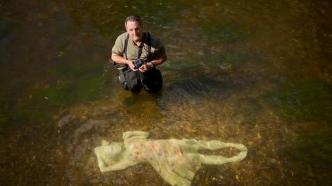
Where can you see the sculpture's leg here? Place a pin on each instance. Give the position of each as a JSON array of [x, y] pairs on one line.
[[215, 144], [194, 145], [217, 159]]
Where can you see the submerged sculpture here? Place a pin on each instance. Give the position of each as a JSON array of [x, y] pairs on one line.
[[175, 160]]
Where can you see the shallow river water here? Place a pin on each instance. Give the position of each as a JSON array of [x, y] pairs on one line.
[[251, 72]]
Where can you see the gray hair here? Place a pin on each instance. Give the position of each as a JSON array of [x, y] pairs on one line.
[[134, 19]]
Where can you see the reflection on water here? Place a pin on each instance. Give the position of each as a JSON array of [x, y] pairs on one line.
[[256, 73]]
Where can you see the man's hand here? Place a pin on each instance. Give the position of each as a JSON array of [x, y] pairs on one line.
[[121, 60], [145, 67], [131, 65]]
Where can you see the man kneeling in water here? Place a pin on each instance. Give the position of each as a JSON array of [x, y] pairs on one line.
[[136, 55]]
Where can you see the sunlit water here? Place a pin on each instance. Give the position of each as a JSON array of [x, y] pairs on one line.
[[251, 72]]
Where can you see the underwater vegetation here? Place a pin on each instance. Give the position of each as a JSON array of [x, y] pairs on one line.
[[304, 100]]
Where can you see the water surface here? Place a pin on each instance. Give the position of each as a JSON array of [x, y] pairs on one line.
[[251, 72]]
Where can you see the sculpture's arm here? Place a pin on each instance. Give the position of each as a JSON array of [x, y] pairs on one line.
[[123, 164], [135, 135]]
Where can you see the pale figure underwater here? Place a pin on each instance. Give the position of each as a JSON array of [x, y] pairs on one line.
[[175, 160]]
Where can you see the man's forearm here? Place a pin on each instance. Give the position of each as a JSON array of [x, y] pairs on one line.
[[159, 61], [119, 59]]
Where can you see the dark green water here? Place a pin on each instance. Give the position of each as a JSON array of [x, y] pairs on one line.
[[251, 72]]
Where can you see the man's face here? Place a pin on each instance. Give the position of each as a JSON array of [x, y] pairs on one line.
[[134, 30]]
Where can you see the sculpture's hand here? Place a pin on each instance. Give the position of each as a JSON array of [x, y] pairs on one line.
[[135, 135]]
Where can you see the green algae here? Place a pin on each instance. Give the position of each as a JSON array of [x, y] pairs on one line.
[[100, 16], [224, 31], [4, 29], [82, 89], [304, 100], [315, 146], [3, 108], [3, 119], [42, 102], [180, 65], [206, 64], [45, 101], [247, 110], [312, 150], [227, 60]]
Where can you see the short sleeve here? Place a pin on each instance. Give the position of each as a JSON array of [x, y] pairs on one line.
[[118, 47], [157, 47]]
